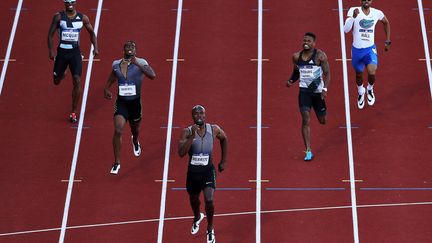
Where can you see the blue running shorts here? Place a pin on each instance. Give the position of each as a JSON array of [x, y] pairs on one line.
[[361, 57]]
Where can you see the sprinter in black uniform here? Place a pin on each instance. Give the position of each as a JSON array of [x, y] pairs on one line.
[[312, 68], [197, 141], [69, 24]]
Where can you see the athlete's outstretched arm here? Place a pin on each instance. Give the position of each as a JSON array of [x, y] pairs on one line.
[[223, 139], [111, 79], [386, 24], [53, 27], [93, 38]]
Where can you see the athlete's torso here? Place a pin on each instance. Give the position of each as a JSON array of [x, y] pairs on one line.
[[200, 152], [69, 30], [130, 84], [364, 26], [310, 74]]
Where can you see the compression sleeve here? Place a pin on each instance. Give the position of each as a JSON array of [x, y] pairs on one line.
[[295, 75], [348, 24]]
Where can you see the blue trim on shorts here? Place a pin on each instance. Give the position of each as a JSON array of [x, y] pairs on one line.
[[361, 57]]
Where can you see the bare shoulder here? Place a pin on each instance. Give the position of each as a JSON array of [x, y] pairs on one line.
[[296, 55], [85, 18], [321, 55]]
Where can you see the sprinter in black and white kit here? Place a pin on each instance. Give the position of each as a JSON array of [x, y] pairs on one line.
[[311, 67], [197, 141], [69, 24]]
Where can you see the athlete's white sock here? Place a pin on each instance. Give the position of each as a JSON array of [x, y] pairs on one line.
[[361, 89], [370, 87]]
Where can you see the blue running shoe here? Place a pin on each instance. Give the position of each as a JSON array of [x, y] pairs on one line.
[[309, 156]]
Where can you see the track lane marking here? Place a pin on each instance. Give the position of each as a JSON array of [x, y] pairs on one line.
[[170, 122], [79, 132], [425, 43], [259, 125], [348, 124], [218, 215], [10, 44]]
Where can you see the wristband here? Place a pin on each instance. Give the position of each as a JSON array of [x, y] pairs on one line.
[[324, 89], [387, 43]]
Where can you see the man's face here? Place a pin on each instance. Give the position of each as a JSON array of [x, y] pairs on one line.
[[129, 49], [308, 42], [70, 6], [366, 3], [198, 115]]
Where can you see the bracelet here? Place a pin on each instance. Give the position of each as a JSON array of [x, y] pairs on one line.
[[325, 89], [387, 42]]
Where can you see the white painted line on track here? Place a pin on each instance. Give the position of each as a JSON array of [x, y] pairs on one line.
[[218, 215], [79, 131], [425, 44], [10, 44], [259, 125], [170, 122], [348, 124]]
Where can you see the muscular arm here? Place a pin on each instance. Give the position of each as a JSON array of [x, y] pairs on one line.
[[186, 139], [53, 27], [223, 139], [386, 24], [111, 79], [92, 34], [145, 68], [295, 73], [325, 68]]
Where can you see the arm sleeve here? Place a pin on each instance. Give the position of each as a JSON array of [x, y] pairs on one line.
[[348, 24], [142, 61]]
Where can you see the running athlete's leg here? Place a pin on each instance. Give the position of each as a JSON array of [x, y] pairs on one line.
[[195, 205], [76, 92], [119, 123], [371, 68], [60, 65], [209, 206], [306, 129], [135, 129]]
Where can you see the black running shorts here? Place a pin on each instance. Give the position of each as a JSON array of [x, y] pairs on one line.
[[129, 109], [197, 181], [65, 58], [310, 99]]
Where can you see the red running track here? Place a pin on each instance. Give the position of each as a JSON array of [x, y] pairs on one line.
[[218, 40]]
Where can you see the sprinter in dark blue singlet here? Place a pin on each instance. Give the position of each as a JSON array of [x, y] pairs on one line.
[[69, 24], [311, 67], [197, 141], [129, 72]]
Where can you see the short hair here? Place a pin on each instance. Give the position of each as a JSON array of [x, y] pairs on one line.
[[310, 34], [196, 107], [69, 1], [129, 42]]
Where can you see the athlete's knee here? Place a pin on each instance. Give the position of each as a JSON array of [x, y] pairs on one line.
[[118, 130], [322, 120], [57, 79], [76, 80]]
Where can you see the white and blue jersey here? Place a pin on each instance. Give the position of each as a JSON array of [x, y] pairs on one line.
[[69, 30], [363, 28]]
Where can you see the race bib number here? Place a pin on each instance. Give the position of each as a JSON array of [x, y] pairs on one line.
[[69, 35], [200, 159], [306, 73], [127, 90]]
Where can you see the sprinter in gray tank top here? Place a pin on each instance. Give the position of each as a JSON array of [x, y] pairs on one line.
[[197, 141]]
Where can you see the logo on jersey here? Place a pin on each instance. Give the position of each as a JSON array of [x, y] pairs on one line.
[[366, 24]]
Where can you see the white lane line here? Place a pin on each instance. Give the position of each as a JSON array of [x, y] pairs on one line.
[[348, 124], [10, 44], [425, 43], [218, 215], [79, 131], [259, 124], [170, 122]]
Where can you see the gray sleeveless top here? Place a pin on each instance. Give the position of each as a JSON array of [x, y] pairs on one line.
[[200, 152]]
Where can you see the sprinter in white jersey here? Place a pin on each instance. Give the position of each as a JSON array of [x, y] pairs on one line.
[[311, 67], [362, 21]]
